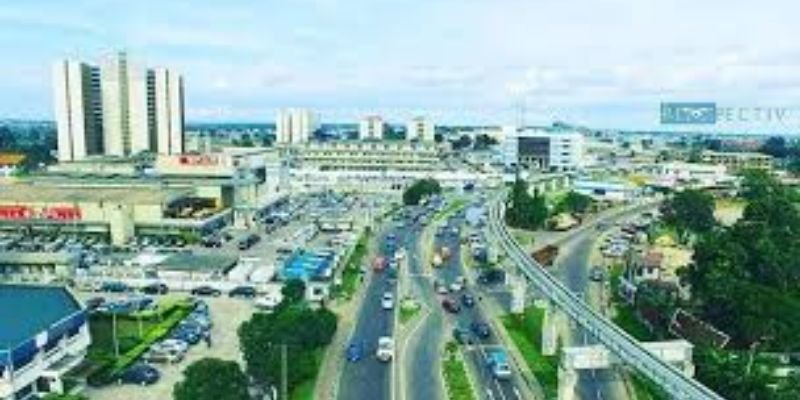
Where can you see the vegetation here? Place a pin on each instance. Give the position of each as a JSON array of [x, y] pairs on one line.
[[212, 379], [408, 310], [525, 331], [574, 202], [455, 376], [419, 190], [295, 327], [523, 210], [351, 273], [54, 396], [689, 211], [483, 141]]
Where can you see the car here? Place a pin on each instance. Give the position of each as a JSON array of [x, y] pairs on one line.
[[451, 306], [387, 301], [468, 300], [206, 291], [355, 351], [480, 329], [597, 274], [249, 241], [171, 344], [247, 292], [385, 351], [462, 335], [440, 287], [456, 286], [186, 335], [155, 289], [114, 287], [140, 374], [492, 276], [267, 303], [163, 356], [497, 363]]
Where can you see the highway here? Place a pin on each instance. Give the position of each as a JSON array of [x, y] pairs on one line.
[[370, 378], [628, 349], [489, 387]]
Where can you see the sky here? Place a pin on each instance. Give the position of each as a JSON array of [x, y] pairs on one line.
[[601, 63]]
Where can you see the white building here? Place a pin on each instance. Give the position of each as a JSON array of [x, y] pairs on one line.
[[605, 190], [420, 129], [680, 174], [295, 125], [539, 149], [371, 128], [76, 95], [118, 109], [42, 340]]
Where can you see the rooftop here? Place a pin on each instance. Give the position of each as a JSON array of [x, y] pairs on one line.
[[202, 262], [26, 311], [32, 193]]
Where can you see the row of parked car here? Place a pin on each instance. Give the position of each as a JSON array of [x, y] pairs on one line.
[[159, 288], [171, 350]]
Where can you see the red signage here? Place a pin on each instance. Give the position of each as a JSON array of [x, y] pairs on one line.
[[59, 213], [198, 159]]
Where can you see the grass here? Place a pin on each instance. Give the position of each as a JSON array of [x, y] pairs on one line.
[[525, 330], [629, 322], [523, 237], [351, 274], [646, 390], [451, 209], [456, 379], [408, 311]]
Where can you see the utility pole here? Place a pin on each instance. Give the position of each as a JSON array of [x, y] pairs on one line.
[[284, 374]]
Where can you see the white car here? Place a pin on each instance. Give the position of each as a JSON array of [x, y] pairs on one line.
[[387, 301], [267, 303], [171, 345], [385, 351]]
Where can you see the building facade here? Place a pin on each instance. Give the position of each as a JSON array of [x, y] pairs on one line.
[[295, 125], [78, 112], [117, 109], [538, 149], [371, 128], [420, 129], [737, 161]]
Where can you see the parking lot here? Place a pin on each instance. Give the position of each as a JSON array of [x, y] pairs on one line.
[[227, 314]]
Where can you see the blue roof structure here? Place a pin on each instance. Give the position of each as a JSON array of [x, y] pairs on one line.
[[306, 265]]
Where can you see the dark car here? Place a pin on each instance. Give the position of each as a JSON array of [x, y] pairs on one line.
[[155, 288], [492, 276], [355, 351], [140, 374], [95, 302], [451, 306], [481, 329], [212, 241], [462, 335], [247, 292], [249, 241], [206, 291], [468, 300], [114, 287]]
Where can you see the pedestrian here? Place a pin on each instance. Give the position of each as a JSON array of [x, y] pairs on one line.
[[208, 339]]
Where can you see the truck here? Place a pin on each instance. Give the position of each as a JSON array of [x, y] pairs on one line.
[[546, 255], [497, 363]]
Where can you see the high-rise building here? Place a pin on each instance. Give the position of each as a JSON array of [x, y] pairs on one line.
[[134, 109], [539, 149], [420, 129], [77, 104], [371, 128], [295, 125]]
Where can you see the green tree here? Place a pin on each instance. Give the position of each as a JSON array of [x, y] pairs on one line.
[[462, 142], [574, 202], [523, 210], [421, 189], [212, 379], [483, 141], [690, 210], [293, 291]]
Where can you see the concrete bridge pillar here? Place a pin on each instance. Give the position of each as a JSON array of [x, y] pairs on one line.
[[550, 330], [567, 381]]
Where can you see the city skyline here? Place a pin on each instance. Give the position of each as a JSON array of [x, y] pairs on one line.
[[455, 61]]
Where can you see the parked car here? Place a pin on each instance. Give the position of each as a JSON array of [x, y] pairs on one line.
[[247, 292], [140, 374], [497, 362], [387, 301], [163, 356], [206, 291], [95, 302], [171, 344], [114, 287], [155, 289], [249, 241], [451, 306], [597, 274]]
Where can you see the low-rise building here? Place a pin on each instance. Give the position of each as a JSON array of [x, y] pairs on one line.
[[382, 155], [605, 190], [37, 267], [44, 334], [680, 174], [737, 161]]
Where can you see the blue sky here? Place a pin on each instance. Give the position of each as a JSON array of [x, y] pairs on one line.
[[606, 63]]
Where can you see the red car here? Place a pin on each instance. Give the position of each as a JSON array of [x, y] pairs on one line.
[[378, 264], [451, 306]]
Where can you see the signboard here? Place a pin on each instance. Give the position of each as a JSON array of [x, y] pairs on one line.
[[204, 160], [55, 213]]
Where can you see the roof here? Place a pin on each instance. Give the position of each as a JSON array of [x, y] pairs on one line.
[[200, 262], [36, 258], [26, 311], [11, 158], [307, 265], [35, 193]]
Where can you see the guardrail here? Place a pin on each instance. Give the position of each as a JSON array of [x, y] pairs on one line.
[[628, 349]]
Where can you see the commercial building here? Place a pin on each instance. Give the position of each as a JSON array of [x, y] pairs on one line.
[[295, 125], [680, 174], [539, 149], [737, 161], [353, 155], [371, 128], [117, 109], [44, 335], [605, 190], [420, 129]]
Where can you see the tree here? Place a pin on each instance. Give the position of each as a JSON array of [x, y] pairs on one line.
[[483, 141], [775, 146], [438, 137], [293, 291], [523, 210], [575, 202], [212, 379], [690, 211], [54, 396], [462, 142], [420, 189]]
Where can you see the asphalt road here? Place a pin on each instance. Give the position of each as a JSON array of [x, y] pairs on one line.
[[370, 378], [488, 386]]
